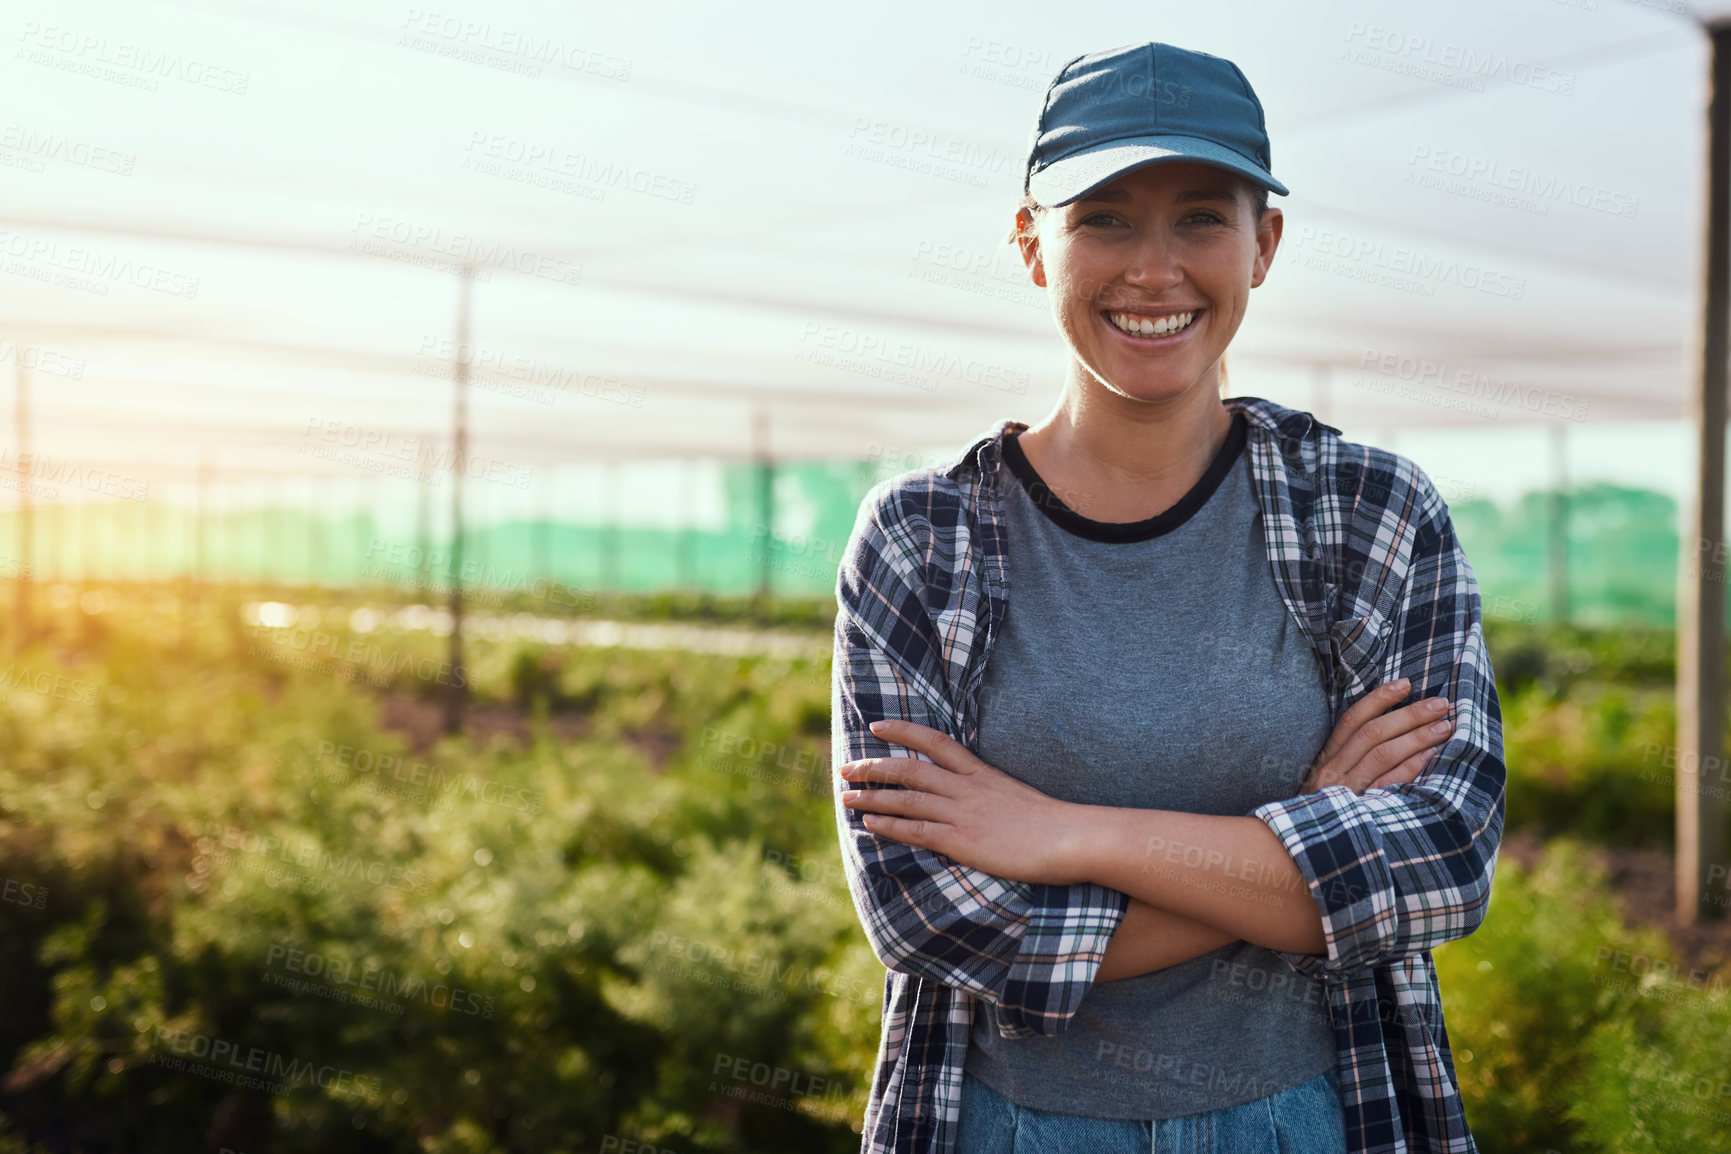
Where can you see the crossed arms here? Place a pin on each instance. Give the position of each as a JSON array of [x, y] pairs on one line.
[[1332, 880]]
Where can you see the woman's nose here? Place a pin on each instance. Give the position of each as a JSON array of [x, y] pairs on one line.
[[1154, 264]]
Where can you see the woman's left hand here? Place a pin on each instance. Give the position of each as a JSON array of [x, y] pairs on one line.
[[964, 809]]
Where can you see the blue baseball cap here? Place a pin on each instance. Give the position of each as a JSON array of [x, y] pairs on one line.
[[1109, 113]]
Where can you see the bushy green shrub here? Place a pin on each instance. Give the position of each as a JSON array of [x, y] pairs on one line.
[[629, 918], [1573, 1032], [1660, 1080], [1591, 763], [487, 945]]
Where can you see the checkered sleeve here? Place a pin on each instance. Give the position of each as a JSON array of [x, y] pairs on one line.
[[1401, 870], [1029, 950]]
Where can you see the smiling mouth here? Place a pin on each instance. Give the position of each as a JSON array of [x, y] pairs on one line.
[[1146, 327]]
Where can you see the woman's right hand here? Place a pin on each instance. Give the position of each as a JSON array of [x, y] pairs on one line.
[[1372, 747]]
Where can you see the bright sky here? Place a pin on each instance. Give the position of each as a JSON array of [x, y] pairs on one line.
[[687, 213]]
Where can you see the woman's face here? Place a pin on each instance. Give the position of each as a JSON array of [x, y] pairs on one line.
[[1174, 248]]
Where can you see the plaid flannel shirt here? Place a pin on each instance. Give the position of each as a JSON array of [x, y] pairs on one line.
[[1365, 558]]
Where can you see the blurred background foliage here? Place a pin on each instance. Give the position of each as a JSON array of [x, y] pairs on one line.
[[611, 909]]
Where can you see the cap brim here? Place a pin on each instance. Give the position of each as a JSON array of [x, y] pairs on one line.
[[1074, 177]]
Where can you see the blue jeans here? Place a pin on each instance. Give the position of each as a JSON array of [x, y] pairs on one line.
[[1305, 1119]]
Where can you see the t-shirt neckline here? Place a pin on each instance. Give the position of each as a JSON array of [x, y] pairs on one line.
[[1124, 532]]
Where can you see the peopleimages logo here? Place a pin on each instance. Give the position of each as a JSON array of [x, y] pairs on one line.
[[509, 49], [435, 780], [134, 65], [52, 473], [255, 1067], [396, 238], [556, 160], [1446, 62], [1009, 64], [1403, 262], [926, 151], [91, 269], [485, 359], [1518, 186], [409, 457], [907, 362], [368, 984], [40, 360], [41, 147], [309, 856], [1434, 376]]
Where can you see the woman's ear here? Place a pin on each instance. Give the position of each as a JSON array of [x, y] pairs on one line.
[[1267, 240], [1028, 240]]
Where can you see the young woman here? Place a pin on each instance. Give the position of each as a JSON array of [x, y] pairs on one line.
[[1166, 871]]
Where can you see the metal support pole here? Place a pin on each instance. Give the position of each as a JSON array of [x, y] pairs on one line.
[[543, 561], [54, 548], [193, 575], [1701, 597], [610, 527], [262, 518], [25, 536], [423, 540], [1557, 548], [455, 697], [315, 511], [686, 564], [126, 541], [366, 496], [201, 567], [87, 533], [155, 540], [481, 548], [276, 508], [765, 497]]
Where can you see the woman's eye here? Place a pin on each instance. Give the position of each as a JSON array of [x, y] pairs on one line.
[[1107, 219]]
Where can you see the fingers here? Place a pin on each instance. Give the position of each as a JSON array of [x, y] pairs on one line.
[[902, 821], [922, 795], [890, 770], [909, 733], [1377, 701], [910, 772], [916, 833], [902, 802], [1406, 771], [934, 743], [1393, 753], [885, 811], [1391, 756], [1390, 726]]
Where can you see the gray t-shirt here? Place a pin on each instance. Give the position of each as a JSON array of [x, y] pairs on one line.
[[1152, 664]]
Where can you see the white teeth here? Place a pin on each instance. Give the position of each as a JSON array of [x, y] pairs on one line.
[[1152, 328]]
